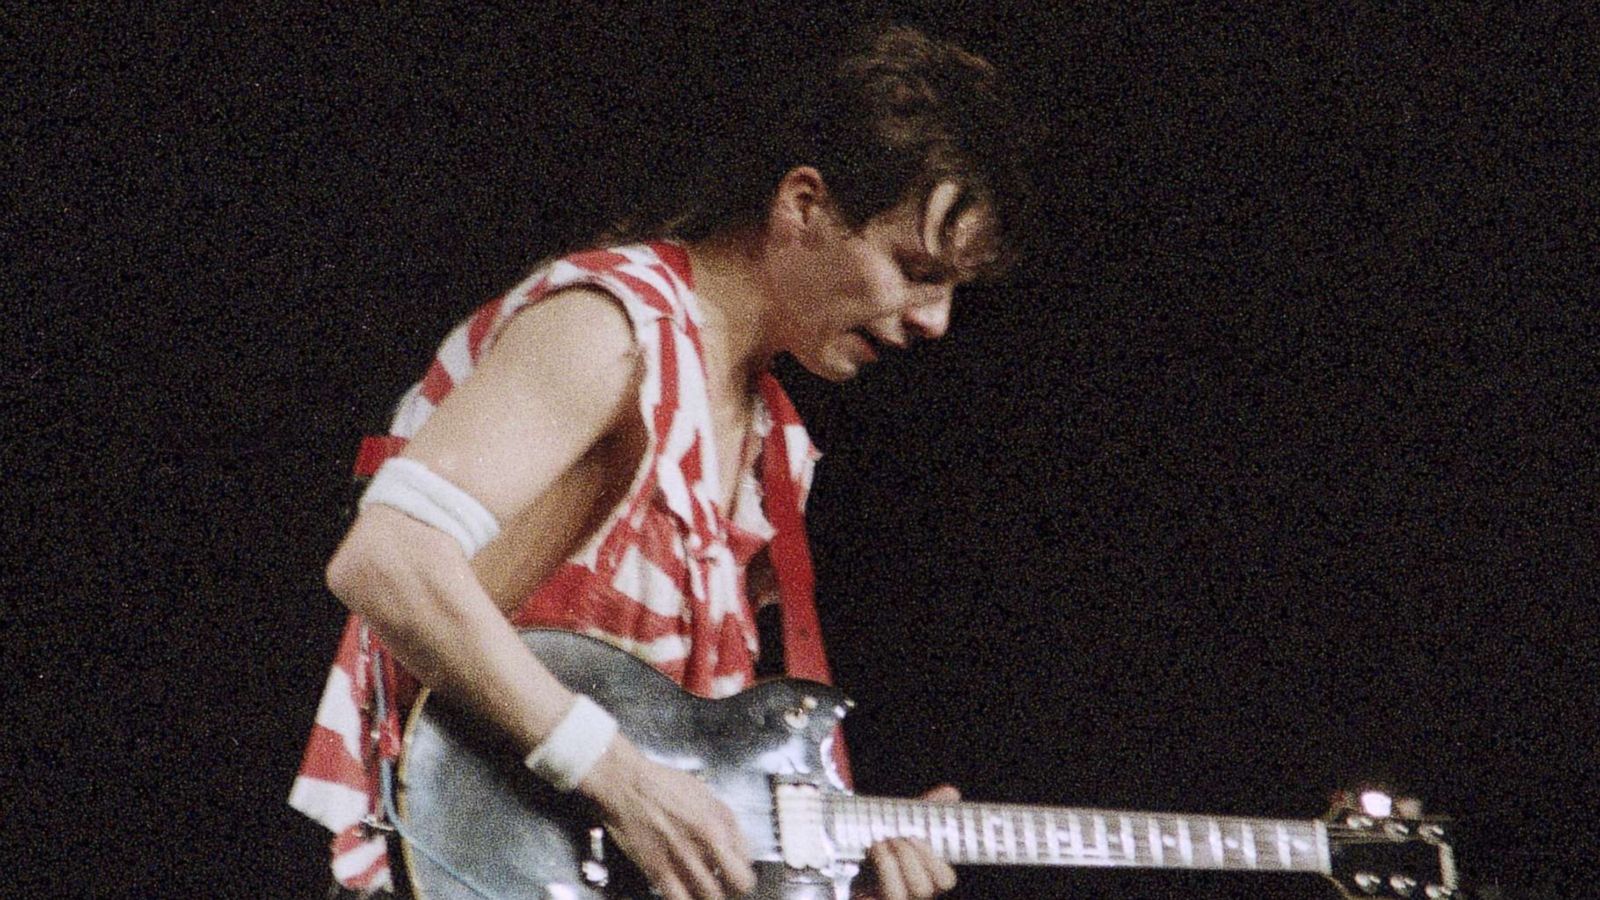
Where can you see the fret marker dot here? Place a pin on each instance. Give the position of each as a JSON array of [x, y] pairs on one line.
[[1301, 845], [1168, 840], [1231, 844]]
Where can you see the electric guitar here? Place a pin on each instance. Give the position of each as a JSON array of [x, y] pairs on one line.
[[474, 824]]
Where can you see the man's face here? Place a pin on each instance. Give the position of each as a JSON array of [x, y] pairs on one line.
[[888, 284]]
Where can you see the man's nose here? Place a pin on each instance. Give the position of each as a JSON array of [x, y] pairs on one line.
[[930, 319]]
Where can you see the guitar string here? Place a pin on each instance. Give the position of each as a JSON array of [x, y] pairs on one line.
[[964, 844]]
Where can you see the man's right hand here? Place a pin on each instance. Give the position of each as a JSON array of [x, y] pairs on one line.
[[685, 840]]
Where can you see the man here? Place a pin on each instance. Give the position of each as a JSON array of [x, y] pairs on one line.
[[601, 449]]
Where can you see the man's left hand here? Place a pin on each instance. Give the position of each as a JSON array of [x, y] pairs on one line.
[[905, 868]]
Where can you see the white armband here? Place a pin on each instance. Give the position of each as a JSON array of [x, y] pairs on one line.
[[574, 745], [422, 494]]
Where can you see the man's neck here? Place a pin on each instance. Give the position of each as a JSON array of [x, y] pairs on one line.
[[738, 337]]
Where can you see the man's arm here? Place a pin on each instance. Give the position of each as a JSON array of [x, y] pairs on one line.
[[562, 375]]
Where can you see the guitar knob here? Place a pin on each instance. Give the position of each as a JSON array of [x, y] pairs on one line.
[[1368, 882], [1439, 892], [595, 874], [594, 868], [796, 718], [1403, 885]]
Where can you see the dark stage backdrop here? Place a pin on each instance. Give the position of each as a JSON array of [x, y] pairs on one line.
[[1272, 470]]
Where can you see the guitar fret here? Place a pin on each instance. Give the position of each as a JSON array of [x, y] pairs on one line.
[[1319, 844], [935, 831], [842, 835], [1158, 847], [1185, 844], [1215, 841], [969, 831], [986, 830], [909, 821], [991, 847], [1247, 841], [1130, 849]]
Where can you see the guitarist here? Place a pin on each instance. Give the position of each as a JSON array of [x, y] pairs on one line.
[[601, 450]]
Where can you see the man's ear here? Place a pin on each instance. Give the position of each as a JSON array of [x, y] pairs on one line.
[[801, 206]]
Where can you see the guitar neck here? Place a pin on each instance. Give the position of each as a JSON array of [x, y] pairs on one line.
[[1011, 834]]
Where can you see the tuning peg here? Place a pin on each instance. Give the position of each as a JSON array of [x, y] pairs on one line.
[[1377, 804]]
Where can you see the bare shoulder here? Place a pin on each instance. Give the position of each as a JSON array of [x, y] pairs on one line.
[[580, 325], [561, 376]]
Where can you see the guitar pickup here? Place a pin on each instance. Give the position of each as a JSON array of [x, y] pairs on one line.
[[802, 839]]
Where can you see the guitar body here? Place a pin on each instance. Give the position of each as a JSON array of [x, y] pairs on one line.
[[469, 805]]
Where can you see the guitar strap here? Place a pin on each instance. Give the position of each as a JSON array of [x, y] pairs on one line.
[[790, 552]]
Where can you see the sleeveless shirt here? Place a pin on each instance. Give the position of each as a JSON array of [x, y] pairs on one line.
[[663, 577]]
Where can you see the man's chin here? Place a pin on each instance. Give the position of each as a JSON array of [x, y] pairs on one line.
[[837, 371], [837, 375]]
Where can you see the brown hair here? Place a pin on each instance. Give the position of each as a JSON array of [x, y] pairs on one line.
[[890, 118]]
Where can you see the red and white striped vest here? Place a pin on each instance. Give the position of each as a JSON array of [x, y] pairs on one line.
[[664, 576]]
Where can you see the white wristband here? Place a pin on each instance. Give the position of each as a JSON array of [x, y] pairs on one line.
[[574, 745], [424, 495]]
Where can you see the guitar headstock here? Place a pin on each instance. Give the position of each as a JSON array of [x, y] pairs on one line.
[[1381, 846]]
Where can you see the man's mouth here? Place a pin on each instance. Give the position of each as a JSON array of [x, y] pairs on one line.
[[874, 346]]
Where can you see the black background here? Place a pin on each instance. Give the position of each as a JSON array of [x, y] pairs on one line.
[[1271, 472]]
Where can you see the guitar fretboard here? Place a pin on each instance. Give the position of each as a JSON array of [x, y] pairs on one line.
[[978, 833]]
